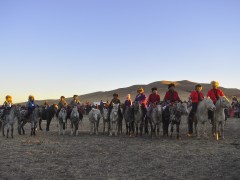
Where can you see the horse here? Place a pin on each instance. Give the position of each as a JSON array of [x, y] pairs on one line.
[[176, 111], [138, 117], [62, 119], [94, 118], [201, 116], [128, 120], [9, 120], [114, 120], [105, 120], [75, 120], [219, 115], [48, 114], [34, 118], [155, 119]]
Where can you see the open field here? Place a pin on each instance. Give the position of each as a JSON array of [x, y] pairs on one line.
[[50, 156]]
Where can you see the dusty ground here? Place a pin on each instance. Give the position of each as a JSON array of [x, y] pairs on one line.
[[50, 156]]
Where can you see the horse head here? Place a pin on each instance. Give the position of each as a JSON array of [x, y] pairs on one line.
[[223, 102]]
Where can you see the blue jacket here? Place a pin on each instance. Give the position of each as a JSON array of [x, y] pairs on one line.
[[30, 105]]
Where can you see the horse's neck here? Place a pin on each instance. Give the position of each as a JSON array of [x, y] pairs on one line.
[[202, 107], [219, 107]]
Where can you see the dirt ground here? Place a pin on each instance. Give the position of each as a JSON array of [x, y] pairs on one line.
[[50, 156]]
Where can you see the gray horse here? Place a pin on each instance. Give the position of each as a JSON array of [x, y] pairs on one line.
[[74, 117], [9, 120], [155, 119], [176, 111], [62, 119], [114, 120], [128, 120], [219, 115], [105, 120], [94, 118], [138, 117], [201, 116]]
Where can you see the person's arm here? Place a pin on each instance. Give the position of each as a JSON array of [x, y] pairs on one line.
[[221, 93]]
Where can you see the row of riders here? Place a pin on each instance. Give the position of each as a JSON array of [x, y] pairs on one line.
[[140, 113]]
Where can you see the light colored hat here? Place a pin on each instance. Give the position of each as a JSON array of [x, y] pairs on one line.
[[215, 83], [141, 90]]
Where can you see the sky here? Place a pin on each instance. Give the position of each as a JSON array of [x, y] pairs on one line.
[[50, 48]]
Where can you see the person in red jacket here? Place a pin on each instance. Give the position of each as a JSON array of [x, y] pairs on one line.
[[215, 92], [196, 96], [214, 95], [153, 98], [171, 95]]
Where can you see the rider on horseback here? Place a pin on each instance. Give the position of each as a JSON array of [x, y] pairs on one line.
[[141, 97], [196, 96], [153, 98], [7, 105], [30, 106], [214, 95], [127, 103], [115, 100], [62, 104], [75, 101], [171, 95]]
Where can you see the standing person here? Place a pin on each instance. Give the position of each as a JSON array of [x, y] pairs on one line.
[[214, 95], [46, 105], [30, 105], [196, 96], [153, 98], [7, 105]]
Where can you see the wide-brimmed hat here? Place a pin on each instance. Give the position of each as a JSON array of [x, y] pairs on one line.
[[30, 96]]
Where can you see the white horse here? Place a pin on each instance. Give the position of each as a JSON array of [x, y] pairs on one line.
[[62, 119], [94, 118], [201, 116], [156, 119], [9, 121], [74, 117], [219, 115], [105, 120], [114, 120]]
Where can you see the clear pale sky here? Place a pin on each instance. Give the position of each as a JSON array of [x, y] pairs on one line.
[[50, 48]]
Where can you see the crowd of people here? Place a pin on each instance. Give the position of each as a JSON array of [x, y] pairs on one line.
[[170, 98]]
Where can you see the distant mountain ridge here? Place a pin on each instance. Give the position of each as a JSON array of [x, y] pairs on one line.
[[184, 88]]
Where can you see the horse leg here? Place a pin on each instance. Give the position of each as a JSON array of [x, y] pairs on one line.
[[22, 127], [3, 127], [222, 130], [91, 128], [71, 128], [110, 128], [104, 126], [172, 129], [178, 130], [40, 124], [12, 130], [7, 130], [48, 124]]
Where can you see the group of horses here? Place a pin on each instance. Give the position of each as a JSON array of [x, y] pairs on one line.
[[137, 123]]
